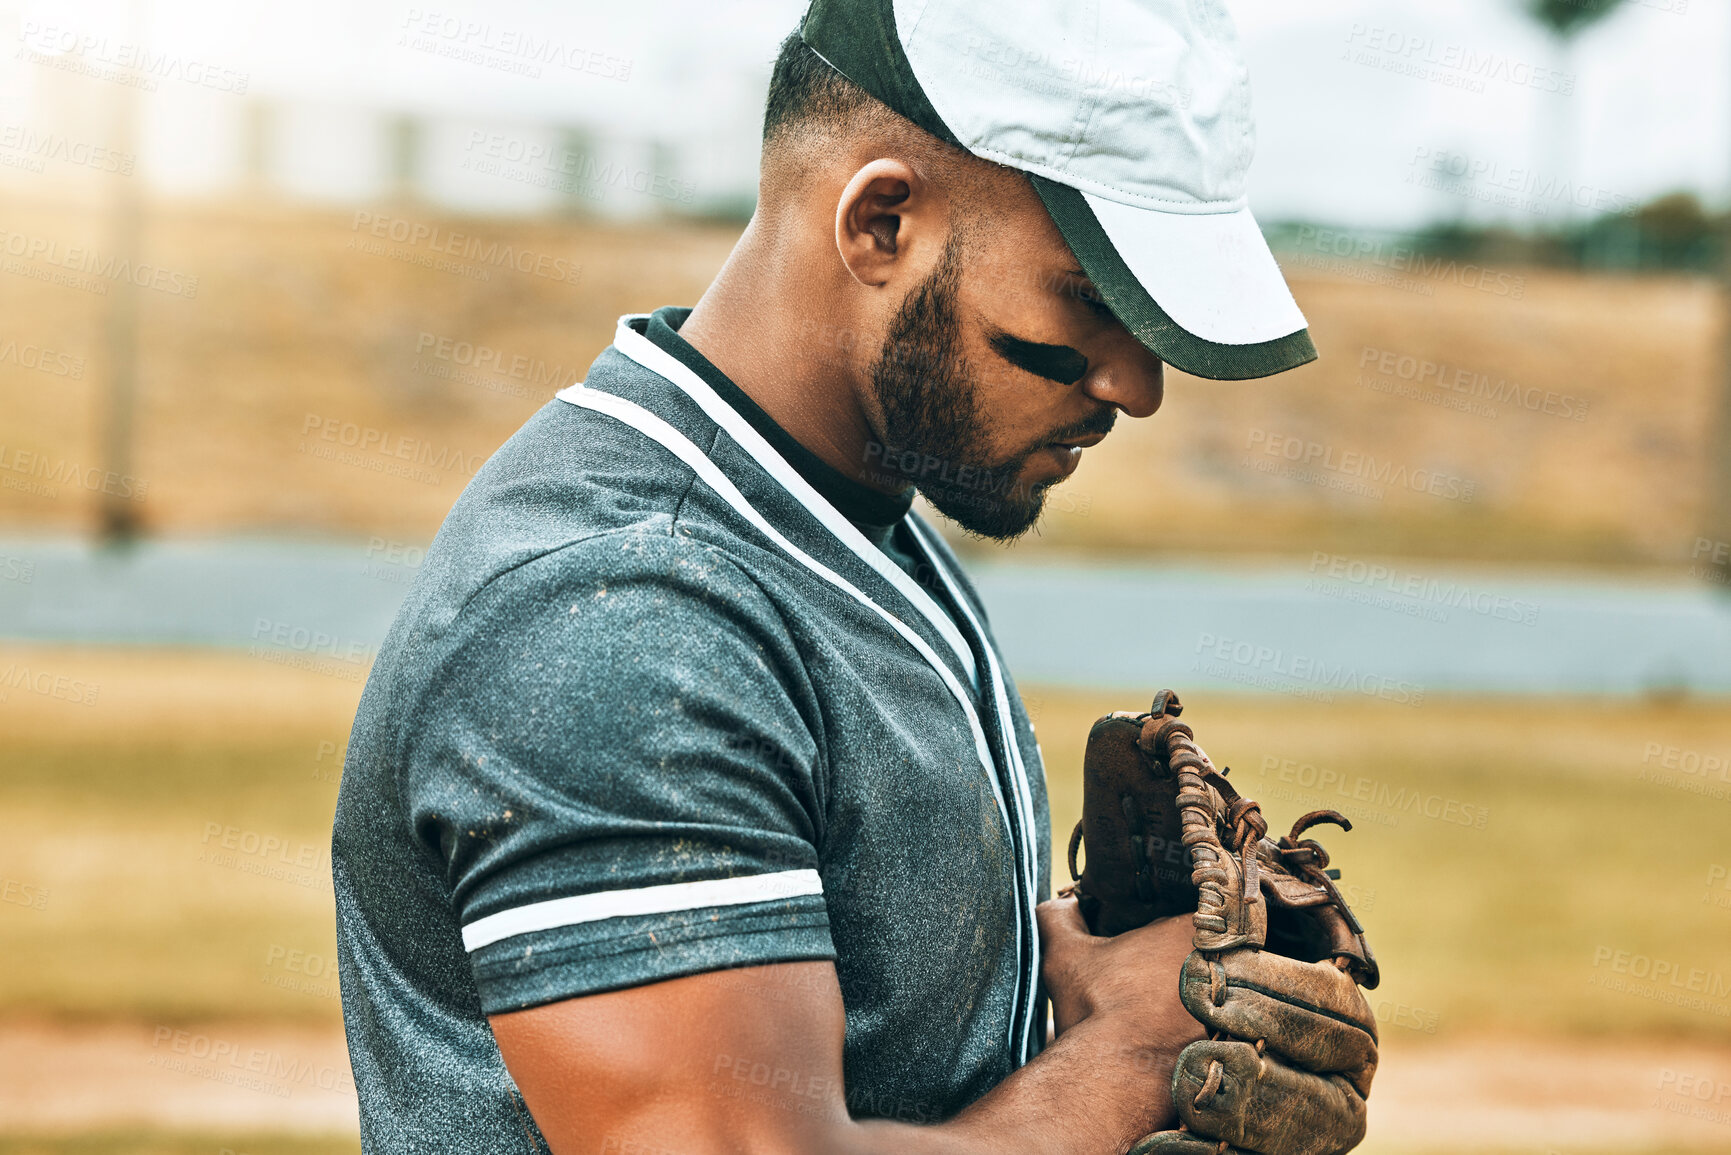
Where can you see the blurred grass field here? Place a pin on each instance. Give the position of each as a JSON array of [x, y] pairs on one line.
[[119, 814]]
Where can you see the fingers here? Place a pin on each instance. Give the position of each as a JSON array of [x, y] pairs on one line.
[[1226, 1090], [1309, 1013], [1066, 947]]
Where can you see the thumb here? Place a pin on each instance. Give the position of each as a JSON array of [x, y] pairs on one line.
[[1060, 921]]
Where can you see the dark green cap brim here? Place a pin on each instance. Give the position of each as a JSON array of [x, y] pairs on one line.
[[1144, 317]]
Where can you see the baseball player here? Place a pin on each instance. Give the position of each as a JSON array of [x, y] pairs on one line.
[[690, 806]]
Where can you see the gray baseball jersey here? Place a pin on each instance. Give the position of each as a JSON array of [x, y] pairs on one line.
[[671, 695]]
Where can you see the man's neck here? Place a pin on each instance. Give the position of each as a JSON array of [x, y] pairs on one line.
[[760, 325]]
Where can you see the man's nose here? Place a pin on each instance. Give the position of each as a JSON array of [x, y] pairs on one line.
[[1134, 385]]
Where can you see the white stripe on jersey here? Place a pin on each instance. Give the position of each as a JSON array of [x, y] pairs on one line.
[[557, 912]]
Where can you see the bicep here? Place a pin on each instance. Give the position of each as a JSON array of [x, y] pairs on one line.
[[746, 1059]]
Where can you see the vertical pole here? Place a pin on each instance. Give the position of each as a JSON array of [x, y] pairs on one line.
[[405, 148], [117, 513], [578, 189], [1712, 551], [256, 147]]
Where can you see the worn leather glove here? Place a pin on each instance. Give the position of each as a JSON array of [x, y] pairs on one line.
[[1279, 956]]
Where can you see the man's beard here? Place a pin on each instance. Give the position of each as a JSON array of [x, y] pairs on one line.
[[933, 424]]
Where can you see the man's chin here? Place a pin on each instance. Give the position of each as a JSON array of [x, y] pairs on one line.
[[1001, 517]]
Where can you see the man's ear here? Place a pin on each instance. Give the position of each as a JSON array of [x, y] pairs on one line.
[[882, 211]]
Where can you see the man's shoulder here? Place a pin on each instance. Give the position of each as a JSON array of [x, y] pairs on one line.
[[569, 476], [655, 553]]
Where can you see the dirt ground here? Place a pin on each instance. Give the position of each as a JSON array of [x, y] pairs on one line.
[[1484, 1094]]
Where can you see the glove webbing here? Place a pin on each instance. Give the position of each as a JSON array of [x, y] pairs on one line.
[[1163, 732]]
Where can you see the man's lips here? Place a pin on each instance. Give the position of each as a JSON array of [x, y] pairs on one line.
[[1082, 442]]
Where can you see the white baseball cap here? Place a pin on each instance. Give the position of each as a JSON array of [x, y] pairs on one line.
[[1132, 119]]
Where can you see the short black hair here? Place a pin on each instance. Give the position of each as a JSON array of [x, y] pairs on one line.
[[804, 91], [812, 107]]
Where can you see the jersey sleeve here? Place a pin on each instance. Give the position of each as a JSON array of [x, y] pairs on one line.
[[617, 766]]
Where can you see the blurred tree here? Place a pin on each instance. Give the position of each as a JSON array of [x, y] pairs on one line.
[[1565, 20], [404, 136], [257, 129]]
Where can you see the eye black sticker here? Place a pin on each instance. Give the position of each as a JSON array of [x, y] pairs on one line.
[[1058, 363]]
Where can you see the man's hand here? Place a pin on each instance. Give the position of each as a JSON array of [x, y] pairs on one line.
[[1133, 976], [751, 1060]]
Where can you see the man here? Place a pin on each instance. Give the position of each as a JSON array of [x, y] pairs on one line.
[[690, 807]]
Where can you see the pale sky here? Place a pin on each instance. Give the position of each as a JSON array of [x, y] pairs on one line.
[[1342, 137]]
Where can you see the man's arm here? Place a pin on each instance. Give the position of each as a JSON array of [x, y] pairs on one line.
[[751, 1060]]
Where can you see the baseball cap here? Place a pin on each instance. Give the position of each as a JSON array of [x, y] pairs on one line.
[[1132, 119]]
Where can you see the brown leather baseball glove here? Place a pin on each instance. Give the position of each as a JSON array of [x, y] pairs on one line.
[[1279, 956]]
